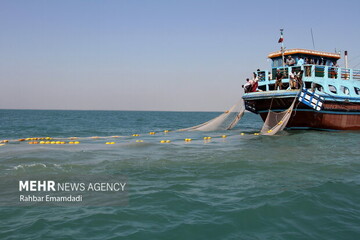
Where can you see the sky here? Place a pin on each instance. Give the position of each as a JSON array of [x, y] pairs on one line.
[[162, 55]]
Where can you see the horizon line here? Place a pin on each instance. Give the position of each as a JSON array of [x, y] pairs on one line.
[[34, 109]]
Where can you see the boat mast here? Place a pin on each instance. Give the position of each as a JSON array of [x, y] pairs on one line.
[[282, 47]]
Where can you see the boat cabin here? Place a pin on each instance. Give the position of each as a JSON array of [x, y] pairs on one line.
[[308, 56], [318, 70]]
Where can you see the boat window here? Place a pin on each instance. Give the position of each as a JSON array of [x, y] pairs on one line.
[[319, 71], [357, 90], [345, 90], [332, 89], [285, 72], [319, 87], [273, 74], [261, 76], [277, 62], [296, 69], [332, 72], [307, 71]]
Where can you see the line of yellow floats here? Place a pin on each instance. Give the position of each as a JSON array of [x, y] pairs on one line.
[[36, 139], [53, 142]]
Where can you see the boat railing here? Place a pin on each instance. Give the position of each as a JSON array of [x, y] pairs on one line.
[[356, 74], [345, 73], [310, 73]]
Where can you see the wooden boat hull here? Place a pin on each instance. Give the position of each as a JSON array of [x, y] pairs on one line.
[[335, 115]]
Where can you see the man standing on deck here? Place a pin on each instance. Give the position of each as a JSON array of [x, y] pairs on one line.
[[300, 61], [279, 77], [290, 61]]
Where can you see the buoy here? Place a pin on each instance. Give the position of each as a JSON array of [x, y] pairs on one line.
[[242, 134], [42, 142], [256, 133], [135, 135], [52, 142], [166, 131], [224, 136], [110, 143], [188, 139], [152, 133], [21, 140], [76, 142], [139, 140], [168, 141], [207, 138], [162, 141]]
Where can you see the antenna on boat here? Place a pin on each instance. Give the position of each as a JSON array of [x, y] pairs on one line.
[[312, 37]]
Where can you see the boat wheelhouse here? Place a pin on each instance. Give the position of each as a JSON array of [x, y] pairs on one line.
[[319, 73]]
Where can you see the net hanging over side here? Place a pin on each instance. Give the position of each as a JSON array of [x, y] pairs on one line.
[[225, 121], [276, 122]]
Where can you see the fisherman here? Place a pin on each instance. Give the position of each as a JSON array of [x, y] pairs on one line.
[[254, 83], [290, 61], [247, 86], [300, 61], [292, 82], [279, 78], [299, 81]]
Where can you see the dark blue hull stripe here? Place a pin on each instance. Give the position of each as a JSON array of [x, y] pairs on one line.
[[311, 128], [311, 110]]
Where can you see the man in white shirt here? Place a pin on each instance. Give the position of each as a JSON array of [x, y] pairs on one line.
[[300, 61]]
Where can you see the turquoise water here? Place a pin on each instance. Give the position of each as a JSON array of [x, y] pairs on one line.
[[298, 185]]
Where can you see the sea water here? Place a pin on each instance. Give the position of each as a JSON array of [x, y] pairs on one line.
[[295, 185]]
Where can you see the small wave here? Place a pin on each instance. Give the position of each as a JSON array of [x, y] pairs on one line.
[[23, 166]]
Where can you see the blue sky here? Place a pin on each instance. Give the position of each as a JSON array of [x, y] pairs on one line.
[[180, 55]]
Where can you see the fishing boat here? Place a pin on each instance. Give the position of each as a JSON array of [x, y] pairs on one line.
[[326, 96]]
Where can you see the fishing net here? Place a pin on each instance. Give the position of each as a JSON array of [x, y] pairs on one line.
[[225, 121], [276, 122]]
